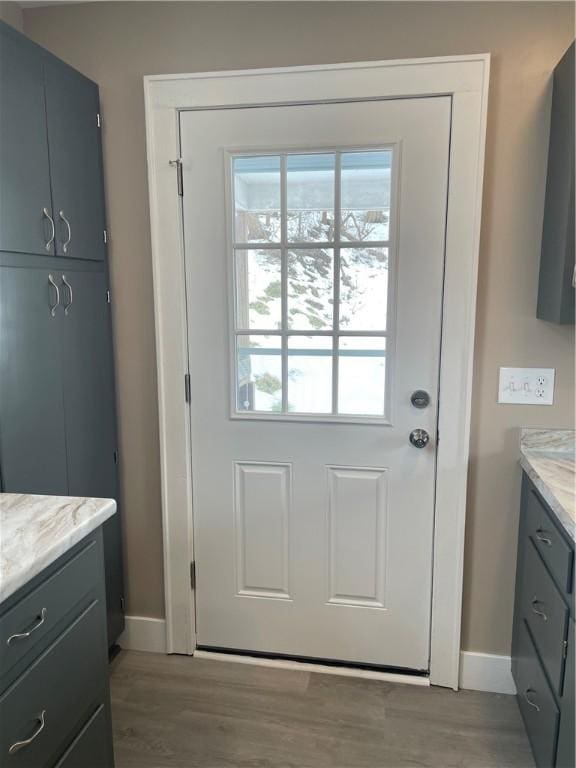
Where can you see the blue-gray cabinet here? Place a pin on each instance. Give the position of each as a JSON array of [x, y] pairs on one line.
[[51, 192], [25, 195], [54, 693], [72, 108], [32, 435], [543, 638], [57, 394], [556, 285]]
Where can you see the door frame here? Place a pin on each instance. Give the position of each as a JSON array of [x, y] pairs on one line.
[[463, 78]]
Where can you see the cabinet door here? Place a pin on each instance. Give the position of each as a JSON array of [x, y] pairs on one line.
[[565, 755], [25, 178], [32, 438], [75, 162], [89, 404]]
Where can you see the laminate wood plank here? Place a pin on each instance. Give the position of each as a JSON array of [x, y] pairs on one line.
[[180, 712]]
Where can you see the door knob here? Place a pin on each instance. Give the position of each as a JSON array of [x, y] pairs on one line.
[[419, 438]]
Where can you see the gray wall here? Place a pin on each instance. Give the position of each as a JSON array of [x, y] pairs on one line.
[[117, 43]]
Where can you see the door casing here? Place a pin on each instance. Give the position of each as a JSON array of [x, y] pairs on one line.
[[465, 80]]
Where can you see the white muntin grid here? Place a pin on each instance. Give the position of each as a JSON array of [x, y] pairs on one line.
[[334, 246]]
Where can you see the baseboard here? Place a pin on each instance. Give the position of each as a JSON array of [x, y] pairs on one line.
[[144, 634], [486, 672]]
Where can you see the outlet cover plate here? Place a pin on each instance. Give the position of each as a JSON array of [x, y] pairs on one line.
[[526, 386]]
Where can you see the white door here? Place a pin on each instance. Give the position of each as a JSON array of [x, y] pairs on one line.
[[314, 241]]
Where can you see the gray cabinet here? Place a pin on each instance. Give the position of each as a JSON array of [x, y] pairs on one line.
[[57, 404], [55, 702], [57, 400], [543, 637], [565, 754], [51, 192], [88, 384], [74, 140], [556, 283], [32, 437], [25, 178]]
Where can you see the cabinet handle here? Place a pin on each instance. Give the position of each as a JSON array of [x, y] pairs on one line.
[[53, 307], [543, 539], [67, 242], [53, 233], [534, 603], [21, 744], [70, 294], [526, 696], [24, 635]]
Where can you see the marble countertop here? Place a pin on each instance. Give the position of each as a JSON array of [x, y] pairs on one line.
[[36, 530], [547, 456]]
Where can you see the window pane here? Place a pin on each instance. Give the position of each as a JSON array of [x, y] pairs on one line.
[[258, 289], [259, 373], [310, 289], [365, 195], [363, 288], [309, 374], [257, 199], [361, 376], [310, 197]]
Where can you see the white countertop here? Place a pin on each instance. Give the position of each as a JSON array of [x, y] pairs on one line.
[[36, 530], [548, 456]]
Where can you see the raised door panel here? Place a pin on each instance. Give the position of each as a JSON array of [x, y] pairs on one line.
[[32, 437], [25, 177], [89, 404], [75, 162]]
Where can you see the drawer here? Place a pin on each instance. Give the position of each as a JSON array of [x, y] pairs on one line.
[[92, 748], [24, 626], [546, 614], [536, 701], [552, 547], [57, 693]]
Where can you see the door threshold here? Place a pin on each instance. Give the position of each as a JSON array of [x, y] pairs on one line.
[[308, 666]]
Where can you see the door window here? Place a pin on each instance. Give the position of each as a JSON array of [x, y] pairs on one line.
[[312, 255]]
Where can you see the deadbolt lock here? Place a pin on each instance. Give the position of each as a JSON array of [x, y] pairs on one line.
[[420, 398]]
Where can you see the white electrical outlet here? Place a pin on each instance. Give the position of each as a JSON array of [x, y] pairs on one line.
[[526, 386]]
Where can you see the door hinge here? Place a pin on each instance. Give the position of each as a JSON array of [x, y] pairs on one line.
[[565, 649], [187, 387], [122, 605], [98, 121], [193, 575], [108, 297], [115, 457], [179, 176], [105, 235]]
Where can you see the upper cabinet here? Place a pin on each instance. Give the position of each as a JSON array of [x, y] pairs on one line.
[[51, 195], [75, 170], [26, 214], [556, 286]]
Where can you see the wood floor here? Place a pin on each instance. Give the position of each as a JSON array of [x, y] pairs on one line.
[[187, 713]]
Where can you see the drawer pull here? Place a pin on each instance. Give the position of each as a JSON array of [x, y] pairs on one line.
[[535, 610], [543, 539], [24, 635], [527, 697], [21, 744]]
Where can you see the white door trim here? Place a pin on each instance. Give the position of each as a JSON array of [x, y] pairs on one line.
[[465, 79]]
